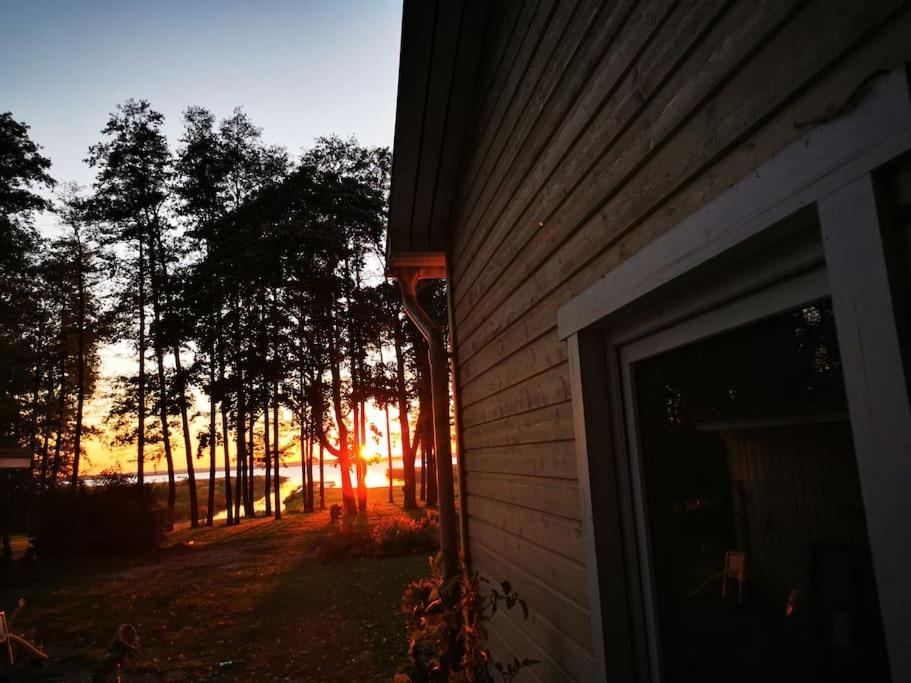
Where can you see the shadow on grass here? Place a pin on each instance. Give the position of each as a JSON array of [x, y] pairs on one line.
[[239, 603]]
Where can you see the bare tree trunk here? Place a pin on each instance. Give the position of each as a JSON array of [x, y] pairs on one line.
[[165, 434], [353, 370], [61, 415], [158, 348], [410, 502], [342, 453], [80, 360], [322, 480], [278, 492], [267, 455], [226, 440], [389, 455], [430, 456], [46, 429], [360, 466], [362, 461], [251, 468], [303, 471], [309, 475], [423, 472], [141, 407], [306, 481], [241, 451], [181, 386], [187, 439], [61, 425], [231, 518], [213, 445]]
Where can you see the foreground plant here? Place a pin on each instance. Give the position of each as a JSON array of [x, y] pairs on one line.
[[448, 637]]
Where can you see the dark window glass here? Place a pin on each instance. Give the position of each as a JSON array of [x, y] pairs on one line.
[[893, 185], [752, 490]]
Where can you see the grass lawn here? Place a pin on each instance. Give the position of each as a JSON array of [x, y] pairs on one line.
[[241, 603]]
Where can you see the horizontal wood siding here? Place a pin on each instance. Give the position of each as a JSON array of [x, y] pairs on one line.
[[597, 127]]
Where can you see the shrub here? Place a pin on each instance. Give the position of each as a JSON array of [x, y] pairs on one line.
[[448, 639], [388, 537], [115, 517], [395, 536], [346, 542]]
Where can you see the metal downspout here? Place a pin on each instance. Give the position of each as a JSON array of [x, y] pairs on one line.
[[408, 279]]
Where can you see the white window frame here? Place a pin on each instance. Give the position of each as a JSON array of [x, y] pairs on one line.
[[828, 172]]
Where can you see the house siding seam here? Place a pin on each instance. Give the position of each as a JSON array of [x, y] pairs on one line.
[[585, 149]]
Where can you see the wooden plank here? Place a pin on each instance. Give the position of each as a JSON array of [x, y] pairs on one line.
[[571, 66], [631, 131], [554, 496], [442, 62], [566, 576], [542, 58], [535, 356], [464, 85], [550, 459], [557, 625], [589, 243], [509, 36], [557, 534], [501, 649], [556, 133], [499, 101], [533, 426], [547, 388], [622, 87], [480, 357]]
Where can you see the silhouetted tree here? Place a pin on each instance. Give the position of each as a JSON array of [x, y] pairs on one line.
[[130, 190]]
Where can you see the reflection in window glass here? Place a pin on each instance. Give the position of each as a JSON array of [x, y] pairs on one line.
[[759, 545], [893, 183]]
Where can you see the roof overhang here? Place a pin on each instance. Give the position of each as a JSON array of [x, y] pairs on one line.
[[441, 44]]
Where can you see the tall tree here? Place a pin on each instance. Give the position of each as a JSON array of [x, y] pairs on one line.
[[133, 166], [23, 175], [200, 187], [76, 263]]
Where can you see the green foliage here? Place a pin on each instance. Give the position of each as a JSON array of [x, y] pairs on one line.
[[21, 167], [448, 638], [22, 170]]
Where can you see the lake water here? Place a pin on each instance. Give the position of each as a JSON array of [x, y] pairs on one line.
[[376, 474]]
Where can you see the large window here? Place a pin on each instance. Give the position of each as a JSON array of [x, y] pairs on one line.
[[758, 537]]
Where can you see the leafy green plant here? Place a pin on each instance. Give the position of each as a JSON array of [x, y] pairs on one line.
[[448, 636]]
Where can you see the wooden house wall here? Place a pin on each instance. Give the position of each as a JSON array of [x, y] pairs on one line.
[[597, 127]]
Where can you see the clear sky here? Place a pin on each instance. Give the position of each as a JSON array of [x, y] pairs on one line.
[[300, 68]]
